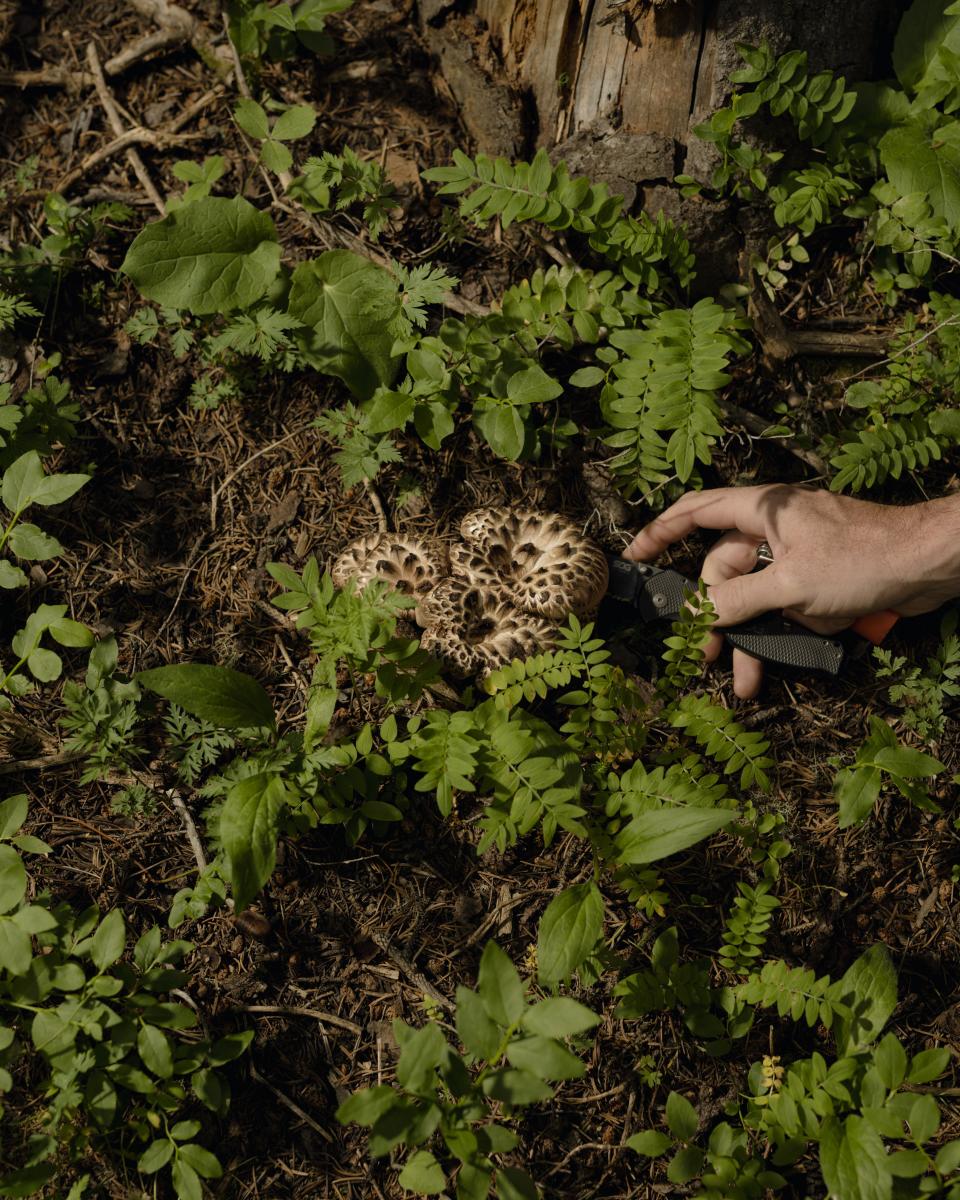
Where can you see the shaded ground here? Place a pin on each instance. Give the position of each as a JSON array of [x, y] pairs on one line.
[[167, 546]]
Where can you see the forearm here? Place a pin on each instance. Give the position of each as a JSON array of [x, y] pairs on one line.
[[935, 558]]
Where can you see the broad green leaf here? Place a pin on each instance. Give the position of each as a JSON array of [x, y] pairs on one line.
[[917, 160], [29, 542], [664, 831], [71, 633], [224, 697], [54, 489], [869, 988], [421, 1054], [685, 1165], [478, 1033], [13, 813], [924, 28], [532, 386], [516, 1087], [856, 790], [545, 1058], [210, 256], [388, 410], [156, 1155], [650, 1142], [15, 948], [891, 1061], [854, 1161], [347, 303], [499, 986], [423, 1174], [13, 879], [568, 932], [907, 762], [559, 1016], [928, 1065], [202, 1161], [367, 1106], [44, 665], [252, 119], [294, 123], [503, 429], [433, 422], [681, 1116], [587, 377], [11, 576], [186, 1181], [108, 942], [21, 481], [513, 1183], [248, 830], [275, 156], [154, 1049]]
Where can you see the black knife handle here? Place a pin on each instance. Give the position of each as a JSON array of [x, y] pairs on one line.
[[773, 639]]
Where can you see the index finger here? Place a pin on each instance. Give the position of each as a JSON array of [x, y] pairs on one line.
[[717, 508]]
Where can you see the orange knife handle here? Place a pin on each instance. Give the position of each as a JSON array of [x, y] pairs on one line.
[[875, 626]]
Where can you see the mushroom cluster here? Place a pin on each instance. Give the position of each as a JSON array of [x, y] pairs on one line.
[[496, 595]]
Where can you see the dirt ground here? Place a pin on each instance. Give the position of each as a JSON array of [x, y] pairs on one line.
[[167, 548]]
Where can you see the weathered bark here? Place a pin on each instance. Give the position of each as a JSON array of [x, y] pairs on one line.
[[616, 90]]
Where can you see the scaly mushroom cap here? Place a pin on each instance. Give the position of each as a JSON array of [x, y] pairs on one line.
[[473, 628], [411, 565], [544, 563]]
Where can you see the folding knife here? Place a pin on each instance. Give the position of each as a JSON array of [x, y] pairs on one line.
[[658, 594]]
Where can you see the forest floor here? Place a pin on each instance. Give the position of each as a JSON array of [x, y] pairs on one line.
[[167, 548]]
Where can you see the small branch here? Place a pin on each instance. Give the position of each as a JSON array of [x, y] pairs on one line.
[[138, 136], [63, 759], [288, 1103], [192, 836], [242, 86], [282, 1010], [47, 77], [215, 496], [116, 124], [758, 426], [406, 966]]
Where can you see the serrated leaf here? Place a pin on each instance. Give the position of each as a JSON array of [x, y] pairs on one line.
[[295, 123], [347, 303], [211, 256]]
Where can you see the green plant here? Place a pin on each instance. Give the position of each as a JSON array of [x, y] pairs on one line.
[[260, 30], [105, 1051], [336, 181], [293, 123], [513, 1050], [883, 760], [922, 692]]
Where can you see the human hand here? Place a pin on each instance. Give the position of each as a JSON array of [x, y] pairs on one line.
[[835, 558]]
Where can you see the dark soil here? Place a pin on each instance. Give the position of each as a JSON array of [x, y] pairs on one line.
[[167, 548]]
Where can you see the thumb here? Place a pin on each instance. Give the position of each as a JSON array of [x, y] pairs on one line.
[[746, 596]]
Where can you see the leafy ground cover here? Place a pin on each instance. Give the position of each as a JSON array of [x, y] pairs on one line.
[[282, 911]]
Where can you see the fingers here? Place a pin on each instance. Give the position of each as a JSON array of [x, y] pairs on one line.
[[731, 555], [747, 675], [720, 508], [746, 596]]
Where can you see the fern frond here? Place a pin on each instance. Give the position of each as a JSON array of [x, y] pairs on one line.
[[746, 926], [666, 383], [795, 992], [445, 751], [540, 191], [875, 454], [724, 739], [532, 678]]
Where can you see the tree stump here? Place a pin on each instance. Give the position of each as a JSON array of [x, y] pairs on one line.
[[617, 89]]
